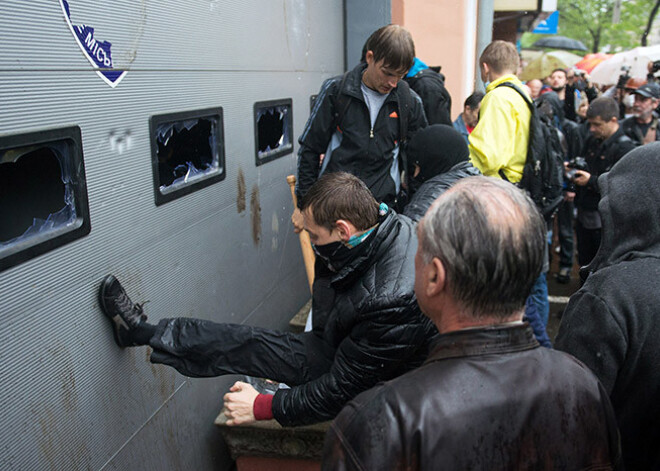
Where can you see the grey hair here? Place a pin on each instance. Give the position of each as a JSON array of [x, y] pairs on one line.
[[490, 238]]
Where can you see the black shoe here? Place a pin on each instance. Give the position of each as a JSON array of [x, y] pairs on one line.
[[125, 315], [564, 276]]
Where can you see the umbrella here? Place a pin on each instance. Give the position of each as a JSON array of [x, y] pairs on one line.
[[590, 61], [543, 66], [560, 42], [608, 71]]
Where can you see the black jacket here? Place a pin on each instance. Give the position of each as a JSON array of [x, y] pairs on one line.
[[612, 323], [633, 129], [368, 318], [600, 156], [436, 99], [352, 146], [433, 188], [486, 399], [569, 100]]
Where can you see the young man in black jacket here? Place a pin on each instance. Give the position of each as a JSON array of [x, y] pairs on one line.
[[604, 147], [488, 397], [359, 120], [367, 325]]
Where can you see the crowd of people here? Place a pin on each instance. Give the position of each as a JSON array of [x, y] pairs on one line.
[[428, 347]]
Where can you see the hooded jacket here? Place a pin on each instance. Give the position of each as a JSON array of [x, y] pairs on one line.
[[612, 323], [436, 186], [353, 146], [368, 318], [430, 86], [486, 399]]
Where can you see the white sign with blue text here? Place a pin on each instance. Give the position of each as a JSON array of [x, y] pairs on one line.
[[549, 25], [98, 52]]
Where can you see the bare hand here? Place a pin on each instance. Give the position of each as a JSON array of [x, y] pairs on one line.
[[297, 221], [569, 196], [239, 404], [581, 178]]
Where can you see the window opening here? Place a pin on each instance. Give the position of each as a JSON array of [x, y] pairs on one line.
[[187, 152], [43, 194], [273, 128]]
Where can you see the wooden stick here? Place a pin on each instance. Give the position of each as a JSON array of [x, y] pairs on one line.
[[305, 245]]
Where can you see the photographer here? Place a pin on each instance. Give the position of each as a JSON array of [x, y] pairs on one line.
[[642, 126], [653, 67], [604, 147], [566, 85], [623, 92]]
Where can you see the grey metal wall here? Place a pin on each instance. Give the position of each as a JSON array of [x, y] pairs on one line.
[[363, 17], [70, 399]]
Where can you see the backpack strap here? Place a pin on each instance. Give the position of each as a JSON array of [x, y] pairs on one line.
[[524, 96], [404, 98], [530, 104], [341, 102]]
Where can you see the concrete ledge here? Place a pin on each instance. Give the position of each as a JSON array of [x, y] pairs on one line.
[[298, 322], [268, 439]]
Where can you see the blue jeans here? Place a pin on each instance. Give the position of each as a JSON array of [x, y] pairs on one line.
[[539, 296], [532, 316]]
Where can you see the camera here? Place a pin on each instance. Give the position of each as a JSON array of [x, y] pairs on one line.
[[578, 163], [623, 78], [656, 66]]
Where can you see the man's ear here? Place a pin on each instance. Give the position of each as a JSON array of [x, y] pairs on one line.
[[369, 57], [436, 277], [345, 229], [485, 68]]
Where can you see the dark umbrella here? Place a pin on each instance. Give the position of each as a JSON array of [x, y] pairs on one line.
[[560, 42]]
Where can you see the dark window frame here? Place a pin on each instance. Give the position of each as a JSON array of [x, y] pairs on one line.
[[157, 120], [32, 247], [273, 154]]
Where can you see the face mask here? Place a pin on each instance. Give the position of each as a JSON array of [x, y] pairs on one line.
[[629, 101], [334, 254]]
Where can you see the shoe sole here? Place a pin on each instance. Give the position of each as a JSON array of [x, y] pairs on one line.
[[105, 284]]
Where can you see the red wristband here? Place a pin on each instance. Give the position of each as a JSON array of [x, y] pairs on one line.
[[263, 407]]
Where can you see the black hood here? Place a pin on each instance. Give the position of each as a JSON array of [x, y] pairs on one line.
[[630, 208], [552, 99]]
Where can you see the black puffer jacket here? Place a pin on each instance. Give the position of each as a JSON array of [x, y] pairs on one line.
[[486, 399], [433, 188], [352, 145], [368, 317]]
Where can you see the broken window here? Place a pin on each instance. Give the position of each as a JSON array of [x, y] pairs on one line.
[[273, 129], [187, 152], [43, 193]]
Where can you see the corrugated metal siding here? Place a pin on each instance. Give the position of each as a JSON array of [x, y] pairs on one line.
[[70, 399]]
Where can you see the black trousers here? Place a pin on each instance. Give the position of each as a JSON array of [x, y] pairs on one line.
[[200, 348], [565, 234], [588, 241]]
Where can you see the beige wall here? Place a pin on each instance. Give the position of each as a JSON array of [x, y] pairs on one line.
[[445, 34]]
